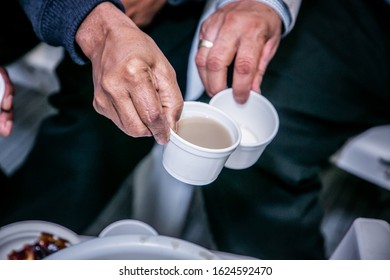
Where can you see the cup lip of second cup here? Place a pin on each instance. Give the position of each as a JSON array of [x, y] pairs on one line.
[[179, 140], [270, 106]]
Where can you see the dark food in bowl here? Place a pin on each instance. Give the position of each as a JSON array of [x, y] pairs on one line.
[[46, 245]]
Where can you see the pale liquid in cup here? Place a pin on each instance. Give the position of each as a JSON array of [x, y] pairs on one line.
[[248, 137], [204, 132]]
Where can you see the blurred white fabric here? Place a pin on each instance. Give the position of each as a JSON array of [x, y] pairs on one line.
[[368, 156], [367, 239], [35, 70], [34, 79], [195, 87], [160, 199]]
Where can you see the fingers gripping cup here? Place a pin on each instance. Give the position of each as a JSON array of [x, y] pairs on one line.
[[2, 90], [203, 142], [258, 122]]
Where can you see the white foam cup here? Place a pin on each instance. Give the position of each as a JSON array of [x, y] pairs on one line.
[[258, 121], [193, 164]]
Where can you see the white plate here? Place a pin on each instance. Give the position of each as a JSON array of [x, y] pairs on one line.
[[14, 236], [134, 247]]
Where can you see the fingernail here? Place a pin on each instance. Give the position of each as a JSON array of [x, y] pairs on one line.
[[8, 125], [240, 99], [161, 139], [8, 102], [6, 128]]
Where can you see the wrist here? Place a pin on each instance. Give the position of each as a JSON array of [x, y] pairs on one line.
[[277, 5], [93, 31]]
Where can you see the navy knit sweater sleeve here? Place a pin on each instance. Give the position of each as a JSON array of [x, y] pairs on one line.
[[56, 21]]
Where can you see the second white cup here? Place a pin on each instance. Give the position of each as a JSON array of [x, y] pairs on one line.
[[258, 122]]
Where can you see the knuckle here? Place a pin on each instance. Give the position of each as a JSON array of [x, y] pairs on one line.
[[171, 72], [263, 35], [244, 66], [232, 17], [133, 68], [215, 64], [200, 62], [98, 103], [108, 83], [152, 117]]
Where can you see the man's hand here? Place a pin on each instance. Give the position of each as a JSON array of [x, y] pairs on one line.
[[142, 12], [135, 86], [6, 112], [247, 32]]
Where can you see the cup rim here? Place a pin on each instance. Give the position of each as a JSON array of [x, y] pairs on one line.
[[178, 140]]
